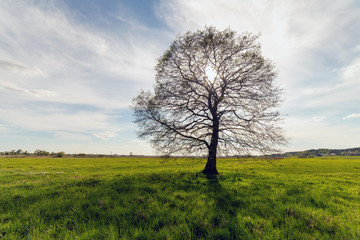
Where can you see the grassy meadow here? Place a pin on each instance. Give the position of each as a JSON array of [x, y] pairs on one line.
[[152, 198]]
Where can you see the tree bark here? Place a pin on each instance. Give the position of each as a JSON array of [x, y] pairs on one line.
[[210, 168]]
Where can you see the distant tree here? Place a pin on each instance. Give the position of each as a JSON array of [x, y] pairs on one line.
[[39, 152], [60, 154], [214, 93]]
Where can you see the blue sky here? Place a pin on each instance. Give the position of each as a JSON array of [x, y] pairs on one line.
[[69, 69]]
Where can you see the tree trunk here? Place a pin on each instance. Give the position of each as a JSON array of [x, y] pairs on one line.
[[210, 168]]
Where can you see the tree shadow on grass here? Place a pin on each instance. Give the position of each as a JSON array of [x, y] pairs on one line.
[[156, 203], [224, 209], [223, 199]]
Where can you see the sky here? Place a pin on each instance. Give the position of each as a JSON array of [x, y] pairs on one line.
[[70, 68]]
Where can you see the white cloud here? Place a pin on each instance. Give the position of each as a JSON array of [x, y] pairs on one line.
[[20, 68], [352, 71], [54, 120], [34, 92], [305, 133], [318, 118], [339, 94], [105, 135], [353, 115]]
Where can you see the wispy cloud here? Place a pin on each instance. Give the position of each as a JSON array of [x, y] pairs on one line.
[[49, 56], [105, 135], [353, 115], [39, 120], [318, 118], [351, 73], [18, 67], [34, 92]]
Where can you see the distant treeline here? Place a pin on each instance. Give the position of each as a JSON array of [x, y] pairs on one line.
[[322, 152], [43, 153], [38, 152]]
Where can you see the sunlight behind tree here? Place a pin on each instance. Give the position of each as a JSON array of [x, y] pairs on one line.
[[211, 74]]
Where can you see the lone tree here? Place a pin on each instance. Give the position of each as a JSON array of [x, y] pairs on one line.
[[214, 93]]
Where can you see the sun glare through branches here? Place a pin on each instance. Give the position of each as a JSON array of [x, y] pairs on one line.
[[211, 74]]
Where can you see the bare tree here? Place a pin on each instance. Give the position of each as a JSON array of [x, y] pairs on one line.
[[214, 93]]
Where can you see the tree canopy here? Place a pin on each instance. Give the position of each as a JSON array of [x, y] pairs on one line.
[[214, 93]]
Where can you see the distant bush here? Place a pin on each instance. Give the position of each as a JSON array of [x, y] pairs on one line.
[[60, 154], [41, 153]]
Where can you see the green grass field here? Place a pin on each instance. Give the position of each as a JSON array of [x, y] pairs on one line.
[[138, 198]]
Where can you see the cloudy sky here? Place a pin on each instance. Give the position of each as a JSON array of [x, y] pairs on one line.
[[69, 69]]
